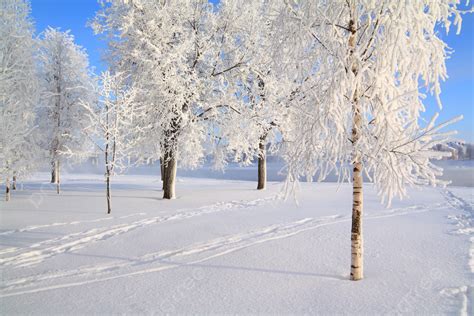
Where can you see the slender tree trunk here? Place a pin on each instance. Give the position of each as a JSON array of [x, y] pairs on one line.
[[107, 173], [56, 143], [262, 165], [57, 172], [108, 164], [357, 248], [169, 182], [109, 201], [7, 190], [14, 181]]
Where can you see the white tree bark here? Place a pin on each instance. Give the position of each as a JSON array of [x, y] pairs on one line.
[[356, 231], [357, 183]]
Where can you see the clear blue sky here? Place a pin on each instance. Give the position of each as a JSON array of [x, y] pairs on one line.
[[457, 93]]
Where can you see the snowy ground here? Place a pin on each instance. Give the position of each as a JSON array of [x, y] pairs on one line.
[[223, 247]]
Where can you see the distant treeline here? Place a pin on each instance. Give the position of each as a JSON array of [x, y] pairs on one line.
[[459, 150]]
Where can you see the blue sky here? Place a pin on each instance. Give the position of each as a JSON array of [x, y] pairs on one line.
[[457, 92]]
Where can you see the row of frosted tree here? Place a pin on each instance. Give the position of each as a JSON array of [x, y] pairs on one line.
[[329, 86], [42, 80]]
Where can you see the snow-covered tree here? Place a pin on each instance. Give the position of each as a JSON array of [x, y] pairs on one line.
[[173, 51], [253, 100], [371, 62], [65, 80], [18, 92], [112, 126], [243, 132]]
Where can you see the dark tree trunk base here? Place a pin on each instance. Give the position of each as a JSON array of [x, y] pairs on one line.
[[262, 173], [7, 191], [262, 164], [53, 174], [169, 179]]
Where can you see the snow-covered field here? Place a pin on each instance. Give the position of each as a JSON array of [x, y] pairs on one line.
[[224, 247]]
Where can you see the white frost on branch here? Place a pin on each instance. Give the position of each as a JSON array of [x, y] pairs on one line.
[[65, 81], [18, 91], [111, 122], [397, 55]]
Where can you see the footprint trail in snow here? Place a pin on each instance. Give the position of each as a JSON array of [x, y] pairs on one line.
[[188, 255]]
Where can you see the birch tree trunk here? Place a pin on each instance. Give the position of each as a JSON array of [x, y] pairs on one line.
[[357, 181], [7, 190], [356, 230], [262, 164]]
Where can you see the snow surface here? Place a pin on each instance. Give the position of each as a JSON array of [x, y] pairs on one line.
[[224, 247]]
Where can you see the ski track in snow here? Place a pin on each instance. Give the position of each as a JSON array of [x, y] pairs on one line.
[[465, 226], [40, 251], [189, 255], [34, 227]]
